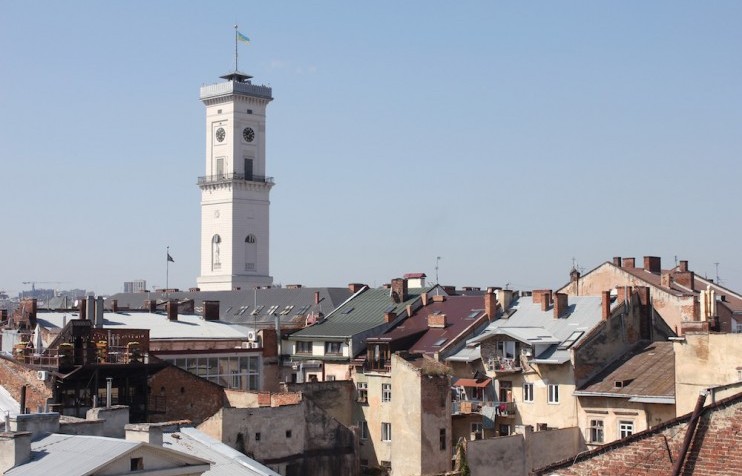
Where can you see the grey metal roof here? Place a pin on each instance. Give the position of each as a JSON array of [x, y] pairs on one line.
[[238, 306], [529, 324], [160, 327], [225, 460], [361, 313]]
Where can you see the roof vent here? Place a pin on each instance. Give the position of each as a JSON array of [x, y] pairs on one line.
[[622, 383]]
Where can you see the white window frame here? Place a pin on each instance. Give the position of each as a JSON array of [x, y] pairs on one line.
[[363, 432], [362, 390], [528, 392], [386, 431], [477, 429], [386, 392], [553, 389], [597, 428], [625, 428]]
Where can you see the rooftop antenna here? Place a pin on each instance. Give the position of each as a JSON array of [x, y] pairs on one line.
[[437, 261], [717, 281], [676, 261]]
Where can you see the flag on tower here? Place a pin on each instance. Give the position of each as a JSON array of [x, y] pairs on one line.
[[242, 37], [170, 258]]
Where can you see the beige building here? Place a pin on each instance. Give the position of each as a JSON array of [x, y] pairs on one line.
[[404, 417]]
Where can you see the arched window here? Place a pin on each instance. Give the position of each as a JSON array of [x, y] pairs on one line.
[[251, 253], [215, 260]]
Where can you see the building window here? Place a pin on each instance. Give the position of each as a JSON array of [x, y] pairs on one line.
[[137, 464], [506, 349], [442, 437], [386, 392], [625, 428], [251, 253], [330, 378], [596, 431], [363, 429], [237, 372], [362, 389], [288, 433], [216, 242], [528, 392], [553, 393], [504, 430], [386, 431], [477, 431], [303, 347], [257, 436], [333, 348]]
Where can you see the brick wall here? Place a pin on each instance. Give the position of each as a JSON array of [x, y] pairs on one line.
[[183, 395], [14, 375], [715, 448]]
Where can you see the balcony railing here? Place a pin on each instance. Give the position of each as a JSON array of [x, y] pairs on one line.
[[227, 178], [465, 407], [501, 364]]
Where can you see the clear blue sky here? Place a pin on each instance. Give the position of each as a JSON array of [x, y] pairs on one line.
[[505, 137]]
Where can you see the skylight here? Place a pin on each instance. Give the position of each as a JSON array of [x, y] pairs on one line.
[[348, 311], [473, 314], [439, 342], [569, 342], [257, 310]]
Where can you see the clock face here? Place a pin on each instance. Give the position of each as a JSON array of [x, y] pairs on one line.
[[220, 134], [248, 134]]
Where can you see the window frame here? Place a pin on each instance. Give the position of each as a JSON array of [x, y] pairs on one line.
[[528, 392], [362, 392], [363, 429], [553, 389], [625, 428], [386, 431], [596, 431], [331, 345], [304, 343], [443, 439], [386, 392]]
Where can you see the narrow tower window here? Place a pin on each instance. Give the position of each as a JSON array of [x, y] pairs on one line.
[[215, 260], [251, 253]]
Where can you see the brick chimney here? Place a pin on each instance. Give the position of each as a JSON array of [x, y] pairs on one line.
[[490, 304], [389, 316], [211, 310], [629, 263], [543, 297], [355, 287], [399, 290], [437, 319], [666, 279], [606, 305], [617, 261], [561, 303], [83, 309], [424, 299], [624, 293], [683, 266], [115, 305], [150, 305], [645, 323], [684, 277], [653, 264], [172, 310], [32, 311]]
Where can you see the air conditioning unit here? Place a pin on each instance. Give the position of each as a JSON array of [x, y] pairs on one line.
[[251, 336], [528, 353], [255, 345], [42, 375], [247, 345]]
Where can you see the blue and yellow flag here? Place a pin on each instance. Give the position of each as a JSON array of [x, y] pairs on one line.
[[242, 37]]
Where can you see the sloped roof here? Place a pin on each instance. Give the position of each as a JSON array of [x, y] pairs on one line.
[[226, 461], [363, 312], [647, 370], [238, 306], [75, 455], [160, 327]]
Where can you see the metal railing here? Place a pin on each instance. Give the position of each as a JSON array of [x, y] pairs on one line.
[[226, 178], [465, 407]]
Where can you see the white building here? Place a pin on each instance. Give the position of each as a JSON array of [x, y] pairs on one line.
[[235, 189]]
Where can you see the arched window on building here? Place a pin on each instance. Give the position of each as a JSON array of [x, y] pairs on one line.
[[251, 253], [215, 260]]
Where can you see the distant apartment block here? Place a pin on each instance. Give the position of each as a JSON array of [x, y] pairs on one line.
[[136, 286]]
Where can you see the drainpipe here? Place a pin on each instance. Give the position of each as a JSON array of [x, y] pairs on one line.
[[692, 424]]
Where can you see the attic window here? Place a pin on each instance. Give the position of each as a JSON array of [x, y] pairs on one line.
[[286, 310], [569, 342], [348, 311], [272, 310], [228, 309], [137, 464], [242, 310], [439, 342], [473, 314]]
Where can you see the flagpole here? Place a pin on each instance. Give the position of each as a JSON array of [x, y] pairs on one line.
[[235, 49], [167, 269]]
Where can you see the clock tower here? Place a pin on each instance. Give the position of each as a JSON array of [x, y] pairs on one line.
[[235, 189]]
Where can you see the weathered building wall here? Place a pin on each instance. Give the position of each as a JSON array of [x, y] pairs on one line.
[[335, 398], [177, 394], [704, 360], [291, 439], [14, 375], [374, 412], [540, 411], [503, 455], [611, 410], [715, 449], [673, 308], [546, 447]]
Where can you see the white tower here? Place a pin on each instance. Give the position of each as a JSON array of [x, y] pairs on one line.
[[235, 189]]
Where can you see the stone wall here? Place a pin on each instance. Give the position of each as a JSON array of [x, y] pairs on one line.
[[177, 394]]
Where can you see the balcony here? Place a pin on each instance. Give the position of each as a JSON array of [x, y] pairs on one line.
[[468, 407], [503, 365], [229, 178]]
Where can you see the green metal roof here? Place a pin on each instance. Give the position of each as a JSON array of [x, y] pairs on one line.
[[359, 314]]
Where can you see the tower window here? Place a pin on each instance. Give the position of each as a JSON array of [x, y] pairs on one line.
[[249, 111], [251, 253], [215, 260]]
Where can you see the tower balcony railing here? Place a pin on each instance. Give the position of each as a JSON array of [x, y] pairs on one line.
[[226, 178]]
